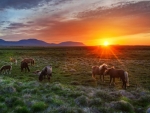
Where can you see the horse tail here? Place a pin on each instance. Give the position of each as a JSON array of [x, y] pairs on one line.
[[126, 78]]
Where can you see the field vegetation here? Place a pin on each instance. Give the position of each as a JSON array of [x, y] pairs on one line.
[[72, 89]]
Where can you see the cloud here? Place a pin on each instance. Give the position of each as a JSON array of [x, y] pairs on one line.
[[28, 4], [121, 9], [16, 26]]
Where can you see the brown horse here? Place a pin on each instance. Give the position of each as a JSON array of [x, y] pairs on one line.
[[29, 60], [99, 70], [118, 73], [13, 60], [24, 65], [6, 69]]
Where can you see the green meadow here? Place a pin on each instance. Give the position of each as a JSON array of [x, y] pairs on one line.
[[72, 89]]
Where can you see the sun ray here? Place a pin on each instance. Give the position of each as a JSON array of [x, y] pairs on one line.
[[118, 59]]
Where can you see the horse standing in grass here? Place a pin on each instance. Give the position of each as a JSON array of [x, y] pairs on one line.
[[99, 70], [13, 60], [118, 73], [46, 71], [6, 69], [29, 60], [24, 65]]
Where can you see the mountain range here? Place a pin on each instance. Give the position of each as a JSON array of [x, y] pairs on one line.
[[35, 42]]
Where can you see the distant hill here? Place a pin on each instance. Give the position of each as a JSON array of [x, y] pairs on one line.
[[70, 43], [35, 42]]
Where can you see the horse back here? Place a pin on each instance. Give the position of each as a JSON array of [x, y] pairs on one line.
[[95, 70], [117, 73]]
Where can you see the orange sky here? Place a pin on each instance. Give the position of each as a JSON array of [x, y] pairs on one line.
[[91, 22]]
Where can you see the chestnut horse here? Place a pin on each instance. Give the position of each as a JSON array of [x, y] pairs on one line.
[[13, 60], [46, 71], [99, 70], [118, 73], [6, 68], [24, 65], [29, 60]]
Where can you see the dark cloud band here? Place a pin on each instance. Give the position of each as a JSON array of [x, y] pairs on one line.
[[27, 4]]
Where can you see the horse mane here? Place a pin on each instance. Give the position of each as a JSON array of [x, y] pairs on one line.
[[101, 66]]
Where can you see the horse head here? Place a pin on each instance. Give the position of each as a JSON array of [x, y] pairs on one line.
[[40, 77], [107, 71]]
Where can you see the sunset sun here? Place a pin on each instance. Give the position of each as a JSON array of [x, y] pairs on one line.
[[106, 43]]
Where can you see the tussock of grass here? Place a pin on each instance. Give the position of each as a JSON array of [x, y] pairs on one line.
[[66, 109], [3, 108], [125, 99], [104, 95], [82, 101], [144, 100], [38, 106], [95, 102], [122, 106], [20, 109]]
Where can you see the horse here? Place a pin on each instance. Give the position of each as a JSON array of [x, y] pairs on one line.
[[24, 65], [29, 60], [13, 60], [46, 71], [118, 73], [6, 68], [99, 70]]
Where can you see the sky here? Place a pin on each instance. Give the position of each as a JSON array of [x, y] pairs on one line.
[[93, 22]]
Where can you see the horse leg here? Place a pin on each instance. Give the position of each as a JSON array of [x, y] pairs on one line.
[[114, 81], [103, 78], [93, 76], [48, 77], [123, 83], [100, 77], [110, 80], [4, 71], [28, 69], [7, 71]]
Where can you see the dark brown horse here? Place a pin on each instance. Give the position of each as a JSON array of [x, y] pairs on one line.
[[46, 71], [118, 73], [24, 65], [6, 69], [29, 60], [99, 70]]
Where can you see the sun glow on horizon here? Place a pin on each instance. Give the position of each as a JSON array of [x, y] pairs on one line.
[[106, 43]]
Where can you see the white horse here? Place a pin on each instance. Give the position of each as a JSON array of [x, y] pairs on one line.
[[99, 70], [13, 60]]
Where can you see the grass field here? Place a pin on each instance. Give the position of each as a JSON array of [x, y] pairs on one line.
[[72, 89]]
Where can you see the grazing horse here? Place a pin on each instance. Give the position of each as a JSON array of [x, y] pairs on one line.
[[118, 73], [46, 71], [24, 65], [13, 60], [99, 70], [29, 60], [7, 69]]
